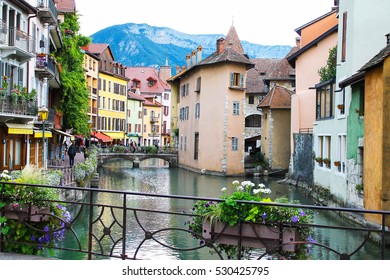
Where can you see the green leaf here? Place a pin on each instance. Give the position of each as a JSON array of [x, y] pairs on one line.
[[5, 230]]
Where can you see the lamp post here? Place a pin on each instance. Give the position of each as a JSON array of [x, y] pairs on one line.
[[43, 115]]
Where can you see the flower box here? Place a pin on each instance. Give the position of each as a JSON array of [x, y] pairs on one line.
[[252, 235], [340, 106], [26, 212], [337, 163]]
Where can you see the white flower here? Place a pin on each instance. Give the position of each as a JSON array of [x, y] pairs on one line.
[[235, 182], [224, 189], [240, 188], [262, 186], [256, 191], [266, 191]]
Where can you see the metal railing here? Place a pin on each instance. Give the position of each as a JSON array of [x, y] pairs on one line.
[[17, 106], [110, 229]]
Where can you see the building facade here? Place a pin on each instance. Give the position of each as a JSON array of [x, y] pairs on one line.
[[209, 102]]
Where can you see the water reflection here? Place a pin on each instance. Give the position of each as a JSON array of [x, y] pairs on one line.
[[153, 177]]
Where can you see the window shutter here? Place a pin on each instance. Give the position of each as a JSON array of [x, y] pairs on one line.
[[231, 79], [241, 80]]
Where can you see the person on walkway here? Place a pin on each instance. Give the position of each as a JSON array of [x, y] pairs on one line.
[[71, 154]]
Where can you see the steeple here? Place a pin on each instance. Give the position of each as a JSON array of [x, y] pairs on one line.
[[232, 41]]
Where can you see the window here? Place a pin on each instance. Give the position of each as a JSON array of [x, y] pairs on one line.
[[166, 96], [151, 82], [198, 84], [251, 99], [145, 112], [166, 110], [181, 142], [341, 103], [324, 101], [359, 89], [236, 108], [104, 85], [196, 146], [340, 161], [237, 80], [344, 37], [324, 151], [197, 111], [253, 121], [234, 144], [187, 88]]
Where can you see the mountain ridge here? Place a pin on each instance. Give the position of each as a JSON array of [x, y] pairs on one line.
[[145, 45]]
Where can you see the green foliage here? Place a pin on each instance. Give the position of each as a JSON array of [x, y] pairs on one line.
[[86, 169], [231, 212], [119, 149], [74, 90], [29, 237], [328, 72], [151, 150]]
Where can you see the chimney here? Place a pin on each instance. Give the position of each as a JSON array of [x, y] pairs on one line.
[[193, 57], [183, 68], [220, 45], [177, 69], [298, 42], [199, 54], [188, 61], [165, 73], [387, 39]]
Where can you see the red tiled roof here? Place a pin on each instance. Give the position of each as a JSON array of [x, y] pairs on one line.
[[277, 98], [143, 75]]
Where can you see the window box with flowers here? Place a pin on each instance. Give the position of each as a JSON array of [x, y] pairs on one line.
[[30, 217], [236, 227]]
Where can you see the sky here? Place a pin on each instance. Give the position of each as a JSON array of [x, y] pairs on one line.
[[265, 22]]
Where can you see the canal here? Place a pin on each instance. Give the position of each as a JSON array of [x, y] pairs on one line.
[[154, 177]]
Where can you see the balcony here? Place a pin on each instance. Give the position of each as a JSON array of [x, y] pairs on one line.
[[47, 12], [16, 43], [9, 107], [154, 119], [46, 67], [56, 35]]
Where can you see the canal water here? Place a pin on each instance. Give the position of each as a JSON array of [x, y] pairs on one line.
[[154, 177]]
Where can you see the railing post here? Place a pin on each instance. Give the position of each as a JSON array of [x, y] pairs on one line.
[[124, 216], [383, 247], [90, 225]]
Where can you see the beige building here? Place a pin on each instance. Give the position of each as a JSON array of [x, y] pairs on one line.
[[208, 117], [276, 107]]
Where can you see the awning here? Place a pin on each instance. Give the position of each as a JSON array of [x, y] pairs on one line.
[[101, 136], [60, 132], [38, 134], [115, 135], [17, 128], [133, 135]]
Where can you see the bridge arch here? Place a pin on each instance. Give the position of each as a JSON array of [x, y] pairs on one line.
[[136, 158]]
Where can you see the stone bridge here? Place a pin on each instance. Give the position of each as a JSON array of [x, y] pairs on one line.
[[136, 158]]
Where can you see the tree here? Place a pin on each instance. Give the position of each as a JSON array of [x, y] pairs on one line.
[[74, 101], [328, 72]]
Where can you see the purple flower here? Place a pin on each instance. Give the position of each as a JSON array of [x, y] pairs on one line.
[[32, 238], [302, 213], [46, 229], [207, 205], [264, 216], [294, 219], [201, 242]]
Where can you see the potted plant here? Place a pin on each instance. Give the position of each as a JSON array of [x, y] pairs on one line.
[[340, 106], [326, 161], [337, 163], [31, 218], [230, 223], [318, 159]]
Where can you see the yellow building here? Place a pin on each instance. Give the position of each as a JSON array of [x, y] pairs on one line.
[[208, 100], [112, 94]]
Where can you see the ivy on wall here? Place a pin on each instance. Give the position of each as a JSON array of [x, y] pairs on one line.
[[74, 102]]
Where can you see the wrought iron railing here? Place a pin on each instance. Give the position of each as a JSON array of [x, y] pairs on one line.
[[124, 230], [16, 105]]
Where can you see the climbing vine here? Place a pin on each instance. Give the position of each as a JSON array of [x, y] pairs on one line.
[[74, 102]]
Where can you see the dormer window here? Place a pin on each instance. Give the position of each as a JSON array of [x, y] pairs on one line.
[[135, 83], [151, 81]]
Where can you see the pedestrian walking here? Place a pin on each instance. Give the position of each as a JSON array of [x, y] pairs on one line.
[[71, 154]]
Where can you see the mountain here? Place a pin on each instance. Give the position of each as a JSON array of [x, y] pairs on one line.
[[144, 45]]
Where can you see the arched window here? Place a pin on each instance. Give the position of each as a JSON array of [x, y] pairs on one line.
[[253, 121]]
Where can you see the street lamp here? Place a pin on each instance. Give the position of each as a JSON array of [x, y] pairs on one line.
[[43, 115], [90, 123]]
